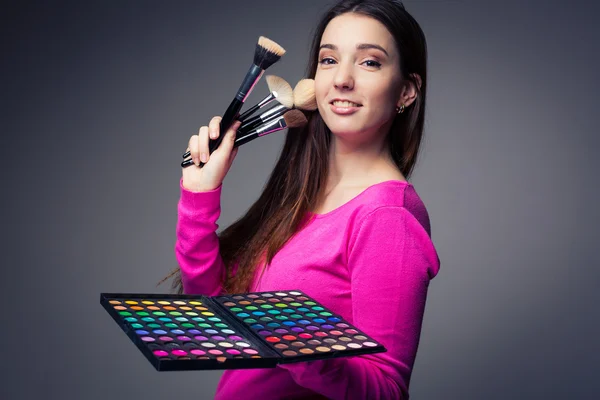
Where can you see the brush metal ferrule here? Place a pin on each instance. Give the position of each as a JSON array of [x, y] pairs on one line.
[[274, 112], [252, 77], [272, 96], [270, 127]]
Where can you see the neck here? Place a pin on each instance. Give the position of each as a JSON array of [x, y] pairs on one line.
[[356, 164]]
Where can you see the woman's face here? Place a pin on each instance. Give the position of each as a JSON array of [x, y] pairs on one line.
[[358, 82]]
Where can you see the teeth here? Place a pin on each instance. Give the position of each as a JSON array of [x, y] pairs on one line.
[[338, 103]]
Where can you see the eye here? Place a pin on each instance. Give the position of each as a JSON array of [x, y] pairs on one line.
[[326, 61], [372, 63]]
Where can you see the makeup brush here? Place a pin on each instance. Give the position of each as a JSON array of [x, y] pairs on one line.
[[291, 119], [304, 99], [273, 112], [280, 91], [304, 95], [267, 53]]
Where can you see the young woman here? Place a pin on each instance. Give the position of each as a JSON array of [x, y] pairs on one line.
[[338, 218]]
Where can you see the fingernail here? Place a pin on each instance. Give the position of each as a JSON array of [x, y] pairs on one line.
[[203, 157], [213, 135]]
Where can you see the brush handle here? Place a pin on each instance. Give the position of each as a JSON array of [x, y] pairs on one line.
[[264, 130], [253, 109], [250, 80], [242, 137], [249, 112], [243, 130], [268, 115], [252, 123], [252, 77], [248, 137], [230, 115], [245, 139], [188, 162]]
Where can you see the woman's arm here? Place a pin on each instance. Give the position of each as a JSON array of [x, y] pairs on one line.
[[197, 244], [391, 260]]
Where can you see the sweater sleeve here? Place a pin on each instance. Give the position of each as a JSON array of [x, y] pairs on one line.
[[197, 244], [390, 260]]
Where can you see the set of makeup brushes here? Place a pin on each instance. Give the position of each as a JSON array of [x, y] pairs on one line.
[[286, 114]]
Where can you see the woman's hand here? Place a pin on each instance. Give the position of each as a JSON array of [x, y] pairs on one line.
[[216, 165]]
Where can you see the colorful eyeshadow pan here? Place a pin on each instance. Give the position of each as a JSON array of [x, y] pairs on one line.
[[251, 330], [303, 329]]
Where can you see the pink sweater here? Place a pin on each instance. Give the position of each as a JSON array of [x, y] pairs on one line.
[[370, 260]]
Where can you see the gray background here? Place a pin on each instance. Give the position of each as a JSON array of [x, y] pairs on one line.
[[99, 100]]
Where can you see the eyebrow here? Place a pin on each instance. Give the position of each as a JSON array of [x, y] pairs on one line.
[[360, 46]]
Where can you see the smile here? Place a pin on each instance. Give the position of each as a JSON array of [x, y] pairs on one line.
[[344, 107], [344, 104]]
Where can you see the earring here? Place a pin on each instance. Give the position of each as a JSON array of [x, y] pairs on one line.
[[400, 110]]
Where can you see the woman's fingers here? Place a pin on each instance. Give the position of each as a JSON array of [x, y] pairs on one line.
[[193, 148], [212, 174], [201, 147], [214, 127], [229, 139]]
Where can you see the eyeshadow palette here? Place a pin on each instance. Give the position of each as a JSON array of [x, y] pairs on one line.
[[250, 330]]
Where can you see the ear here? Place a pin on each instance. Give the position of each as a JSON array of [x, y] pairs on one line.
[[410, 90]]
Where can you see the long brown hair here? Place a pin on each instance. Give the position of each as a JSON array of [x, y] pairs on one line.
[[301, 170]]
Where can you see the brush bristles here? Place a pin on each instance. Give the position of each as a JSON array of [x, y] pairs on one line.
[[304, 95], [267, 53], [285, 94], [294, 119]]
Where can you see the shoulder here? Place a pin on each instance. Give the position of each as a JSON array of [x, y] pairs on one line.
[[390, 197], [392, 222]]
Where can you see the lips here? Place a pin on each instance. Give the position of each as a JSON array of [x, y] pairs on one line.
[[344, 107], [344, 103]]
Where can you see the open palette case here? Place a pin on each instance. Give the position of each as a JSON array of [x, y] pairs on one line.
[[250, 330]]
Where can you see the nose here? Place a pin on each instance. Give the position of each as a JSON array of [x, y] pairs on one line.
[[344, 78]]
